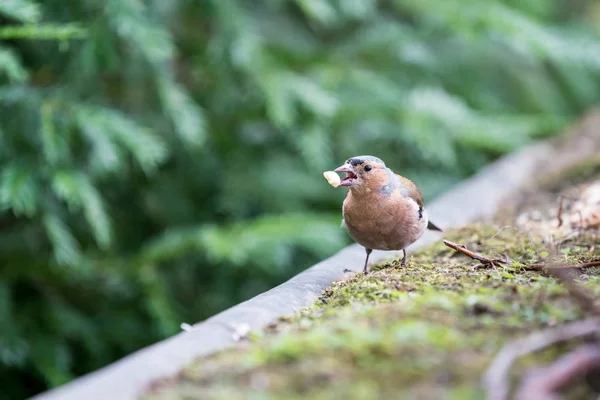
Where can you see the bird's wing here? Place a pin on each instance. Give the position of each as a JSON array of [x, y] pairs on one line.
[[414, 193], [411, 189]]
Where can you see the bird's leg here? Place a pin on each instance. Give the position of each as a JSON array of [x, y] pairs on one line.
[[367, 260], [405, 258]]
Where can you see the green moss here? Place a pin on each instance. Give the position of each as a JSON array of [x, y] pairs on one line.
[[397, 332], [426, 330]]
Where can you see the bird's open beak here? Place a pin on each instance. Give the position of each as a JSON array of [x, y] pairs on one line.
[[350, 178]]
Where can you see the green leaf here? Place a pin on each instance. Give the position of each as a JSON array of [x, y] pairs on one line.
[[106, 155], [18, 190], [106, 152], [52, 358], [43, 32], [96, 215], [129, 19], [313, 96], [65, 246], [279, 101], [102, 125], [76, 189], [11, 66], [22, 10], [315, 148], [359, 9], [187, 117], [171, 244], [266, 241], [319, 10]]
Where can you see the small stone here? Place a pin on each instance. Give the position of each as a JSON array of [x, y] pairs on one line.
[[186, 327], [240, 331]]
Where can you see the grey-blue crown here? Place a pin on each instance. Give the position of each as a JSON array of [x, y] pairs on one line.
[[361, 159]]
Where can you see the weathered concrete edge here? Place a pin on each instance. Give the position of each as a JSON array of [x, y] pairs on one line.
[[474, 199]]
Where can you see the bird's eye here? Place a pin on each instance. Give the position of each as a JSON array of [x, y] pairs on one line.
[[368, 168]]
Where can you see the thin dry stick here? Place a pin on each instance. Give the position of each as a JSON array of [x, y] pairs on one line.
[[496, 380], [501, 229], [483, 259], [540, 266], [543, 383], [560, 211]]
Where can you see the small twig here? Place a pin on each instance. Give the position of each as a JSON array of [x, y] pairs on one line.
[[483, 259], [560, 211], [543, 383], [496, 380], [541, 266], [501, 229]]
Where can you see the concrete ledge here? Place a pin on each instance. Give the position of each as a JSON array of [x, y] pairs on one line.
[[476, 199]]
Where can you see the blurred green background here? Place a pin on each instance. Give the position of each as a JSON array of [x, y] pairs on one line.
[[162, 160]]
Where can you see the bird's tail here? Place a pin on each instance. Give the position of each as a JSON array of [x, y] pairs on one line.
[[432, 227]]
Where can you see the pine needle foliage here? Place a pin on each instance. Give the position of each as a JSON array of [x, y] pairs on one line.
[[160, 161]]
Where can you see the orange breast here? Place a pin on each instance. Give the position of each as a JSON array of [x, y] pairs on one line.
[[390, 223]]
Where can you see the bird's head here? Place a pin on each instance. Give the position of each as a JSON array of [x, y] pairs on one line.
[[364, 171]]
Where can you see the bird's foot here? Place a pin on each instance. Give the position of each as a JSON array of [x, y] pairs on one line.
[[404, 259]]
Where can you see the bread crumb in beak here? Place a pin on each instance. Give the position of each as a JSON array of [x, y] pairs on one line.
[[333, 178]]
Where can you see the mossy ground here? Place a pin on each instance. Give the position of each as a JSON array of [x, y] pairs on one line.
[[425, 331]]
